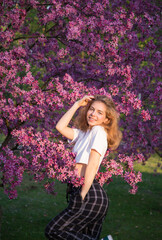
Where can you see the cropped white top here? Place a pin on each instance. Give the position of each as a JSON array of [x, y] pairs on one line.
[[96, 139]]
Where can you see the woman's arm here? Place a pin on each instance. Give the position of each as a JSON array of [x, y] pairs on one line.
[[90, 172], [62, 125]]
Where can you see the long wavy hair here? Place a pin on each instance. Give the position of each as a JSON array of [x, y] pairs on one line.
[[114, 134]]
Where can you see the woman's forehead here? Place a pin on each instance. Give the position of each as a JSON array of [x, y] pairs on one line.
[[99, 105]]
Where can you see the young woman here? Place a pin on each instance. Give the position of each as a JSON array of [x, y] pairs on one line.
[[96, 130]]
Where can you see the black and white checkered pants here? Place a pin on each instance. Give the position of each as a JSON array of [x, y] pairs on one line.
[[81, 220]]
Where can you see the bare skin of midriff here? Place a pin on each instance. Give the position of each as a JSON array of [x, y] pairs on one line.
[[81, 167]]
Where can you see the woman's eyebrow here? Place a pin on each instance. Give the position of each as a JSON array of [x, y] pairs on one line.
[[97, 109], [100, 110]]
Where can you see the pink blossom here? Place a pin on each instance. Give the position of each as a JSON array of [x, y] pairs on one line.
[[146, 115], [114, 89], [62, 53], [74, 31]]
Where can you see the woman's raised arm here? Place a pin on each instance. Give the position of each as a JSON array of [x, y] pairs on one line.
[[62, 125]]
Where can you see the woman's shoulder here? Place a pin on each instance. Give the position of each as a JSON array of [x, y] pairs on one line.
[[99, 137], [99, 130]]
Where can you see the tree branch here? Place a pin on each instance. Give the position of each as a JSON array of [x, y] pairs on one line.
[[9, 135]]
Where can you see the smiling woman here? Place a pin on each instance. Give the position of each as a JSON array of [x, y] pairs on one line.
[[96, 129], [100, 111]]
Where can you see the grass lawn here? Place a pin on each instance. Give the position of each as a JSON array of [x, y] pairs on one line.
[[130, 217]]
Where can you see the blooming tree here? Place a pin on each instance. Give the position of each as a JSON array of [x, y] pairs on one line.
[[54, 52]]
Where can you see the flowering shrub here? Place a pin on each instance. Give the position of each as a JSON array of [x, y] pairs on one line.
[[53, 53]]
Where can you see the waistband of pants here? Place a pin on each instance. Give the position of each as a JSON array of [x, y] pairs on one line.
[[71, 189]]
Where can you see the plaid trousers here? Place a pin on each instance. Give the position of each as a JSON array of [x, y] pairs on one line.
[[82, 219]]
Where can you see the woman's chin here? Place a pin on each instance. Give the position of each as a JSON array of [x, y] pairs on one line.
[[91, 124]]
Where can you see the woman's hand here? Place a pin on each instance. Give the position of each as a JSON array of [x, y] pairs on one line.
[[82, 195], [84, 101]]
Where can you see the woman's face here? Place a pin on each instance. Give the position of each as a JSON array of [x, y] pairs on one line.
[[96, 114]]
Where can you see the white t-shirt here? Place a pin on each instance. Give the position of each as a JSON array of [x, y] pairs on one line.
[[96, 139]]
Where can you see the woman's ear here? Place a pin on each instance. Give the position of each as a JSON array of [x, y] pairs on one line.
[[106, 121]]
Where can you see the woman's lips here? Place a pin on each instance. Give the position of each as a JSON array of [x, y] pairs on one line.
[[91, 119]]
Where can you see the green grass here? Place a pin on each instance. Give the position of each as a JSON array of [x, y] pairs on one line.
[[130, 217]]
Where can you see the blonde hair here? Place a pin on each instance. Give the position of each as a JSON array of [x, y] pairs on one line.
[[114, 134]]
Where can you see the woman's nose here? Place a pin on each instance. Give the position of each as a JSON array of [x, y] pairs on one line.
[[93, 113]]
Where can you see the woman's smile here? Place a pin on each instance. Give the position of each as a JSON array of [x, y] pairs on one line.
[[91, 119]]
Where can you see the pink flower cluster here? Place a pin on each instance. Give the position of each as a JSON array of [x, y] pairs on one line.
[[146, 115], [130, 176], [114, 90], [13, 169], [124, 168], [74, 29]]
